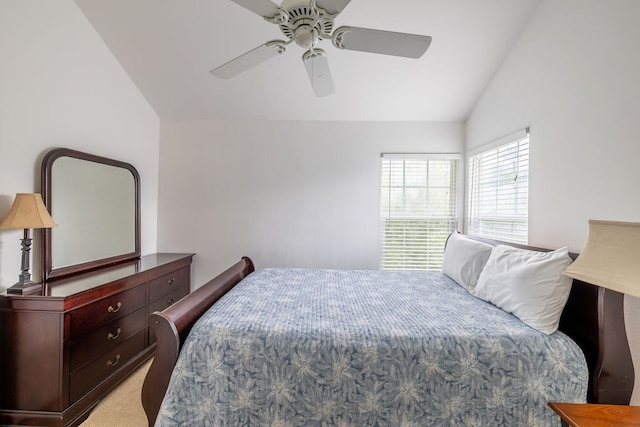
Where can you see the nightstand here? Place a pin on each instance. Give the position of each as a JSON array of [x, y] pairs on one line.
[[593, 415]]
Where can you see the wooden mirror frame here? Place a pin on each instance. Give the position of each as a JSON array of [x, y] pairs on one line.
[[49, 272]]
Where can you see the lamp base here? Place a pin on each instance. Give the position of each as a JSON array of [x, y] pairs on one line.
[[26, 288]]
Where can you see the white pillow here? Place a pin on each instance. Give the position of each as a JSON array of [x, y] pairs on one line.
[[464, 259], [528, 284]]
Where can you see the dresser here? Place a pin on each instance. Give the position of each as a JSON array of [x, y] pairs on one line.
[[65, 349]]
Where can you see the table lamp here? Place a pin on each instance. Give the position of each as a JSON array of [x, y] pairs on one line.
[[611, 257], [611, 260], [27, 212]]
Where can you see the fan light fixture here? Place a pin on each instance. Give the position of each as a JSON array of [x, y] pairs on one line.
[[308, 22]]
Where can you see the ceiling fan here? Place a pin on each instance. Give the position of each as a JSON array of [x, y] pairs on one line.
[[306, 22]]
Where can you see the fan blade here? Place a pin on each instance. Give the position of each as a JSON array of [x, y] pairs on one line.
[[378, 41], [332, 6], [249, 59], [317, 67], [264, 8]]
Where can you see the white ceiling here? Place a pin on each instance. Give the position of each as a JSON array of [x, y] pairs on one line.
[[169, 46]]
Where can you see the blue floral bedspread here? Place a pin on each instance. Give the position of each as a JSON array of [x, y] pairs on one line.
[[293, 347]]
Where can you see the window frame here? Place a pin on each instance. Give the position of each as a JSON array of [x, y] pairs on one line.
[[514, 220], [458, 208]]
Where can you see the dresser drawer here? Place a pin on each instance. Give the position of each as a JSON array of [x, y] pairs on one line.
[[164, 302], [90, 375], [106, 338], [168, 299], [92, 316], [168, 283]]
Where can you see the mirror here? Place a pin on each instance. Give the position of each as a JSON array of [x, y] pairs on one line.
[[96, 203]]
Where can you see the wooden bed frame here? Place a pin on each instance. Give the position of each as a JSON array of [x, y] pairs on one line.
[[593, 318]]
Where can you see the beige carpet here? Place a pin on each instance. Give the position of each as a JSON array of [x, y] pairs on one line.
[[123, 406]]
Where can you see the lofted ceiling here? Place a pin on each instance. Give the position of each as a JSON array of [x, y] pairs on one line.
[[168, 47]]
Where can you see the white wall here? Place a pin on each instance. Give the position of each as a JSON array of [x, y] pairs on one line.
[[297, 194], [574, 78], [60, 86]]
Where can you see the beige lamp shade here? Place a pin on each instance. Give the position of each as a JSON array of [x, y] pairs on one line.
[[611, 257], [28, 211]]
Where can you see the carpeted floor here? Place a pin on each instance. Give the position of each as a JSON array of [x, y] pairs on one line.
[[123, 406]]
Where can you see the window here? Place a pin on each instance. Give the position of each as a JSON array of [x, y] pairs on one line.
[[498, 190], [419, 209]]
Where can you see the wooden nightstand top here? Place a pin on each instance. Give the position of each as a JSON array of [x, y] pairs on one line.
[[592, 415]]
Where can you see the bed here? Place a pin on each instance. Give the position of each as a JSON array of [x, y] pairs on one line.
[[332, 347]]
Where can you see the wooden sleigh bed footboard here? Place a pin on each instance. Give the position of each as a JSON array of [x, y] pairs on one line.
[[172, 326], [593, 317]]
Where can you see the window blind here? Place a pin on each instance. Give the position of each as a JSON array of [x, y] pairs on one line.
[[419, 209], [498, 190]]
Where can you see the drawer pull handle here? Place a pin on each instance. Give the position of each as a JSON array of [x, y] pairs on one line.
[[113, 362], [111, 336], [171, 282], [171, 301], [114, 310]]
